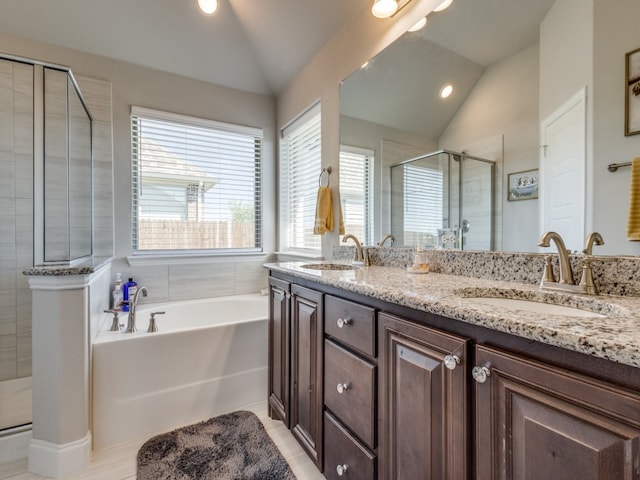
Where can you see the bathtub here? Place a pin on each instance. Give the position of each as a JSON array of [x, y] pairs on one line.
[[208, 357]]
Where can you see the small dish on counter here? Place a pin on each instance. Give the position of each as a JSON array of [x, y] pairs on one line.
[[414, 269]]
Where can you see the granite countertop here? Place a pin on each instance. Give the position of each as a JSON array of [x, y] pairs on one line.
[[615, 337]]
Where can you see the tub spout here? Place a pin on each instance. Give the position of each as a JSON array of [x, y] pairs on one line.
[[131, 324]]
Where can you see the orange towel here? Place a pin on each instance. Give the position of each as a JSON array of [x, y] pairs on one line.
[[633, 222], [324, 212]]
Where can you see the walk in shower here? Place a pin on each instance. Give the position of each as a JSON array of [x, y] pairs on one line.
[[444, 199]]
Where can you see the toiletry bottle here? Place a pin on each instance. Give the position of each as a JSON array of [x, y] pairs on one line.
[[129, 290], [117, 293]]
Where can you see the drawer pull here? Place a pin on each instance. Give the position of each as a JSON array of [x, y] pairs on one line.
[[342, 387], [480, 374], [451, 361], [342, 469], [343, 322]]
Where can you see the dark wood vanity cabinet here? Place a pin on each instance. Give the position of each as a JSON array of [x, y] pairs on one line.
[[376, 391], [423, 402], [279, 349], [536, 421], [307, 362]]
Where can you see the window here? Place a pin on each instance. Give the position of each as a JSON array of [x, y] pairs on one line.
[[300, 166], [423, 204], [356, 173], [196, 184]]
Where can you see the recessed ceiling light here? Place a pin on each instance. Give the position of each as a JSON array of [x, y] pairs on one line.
[[419, 24], [384, 8], [208, 7], [365, 64], [446, 90], [443, 5]]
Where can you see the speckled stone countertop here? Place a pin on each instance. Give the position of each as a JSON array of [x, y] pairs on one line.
[[87, 267], [615, 337]]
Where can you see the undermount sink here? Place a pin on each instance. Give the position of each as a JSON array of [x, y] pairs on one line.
[[535, 307], [327, 266]]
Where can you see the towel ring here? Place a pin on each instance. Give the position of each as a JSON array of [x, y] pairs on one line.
[[328, 172]]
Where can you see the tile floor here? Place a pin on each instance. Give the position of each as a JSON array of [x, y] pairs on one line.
[[119, 462]]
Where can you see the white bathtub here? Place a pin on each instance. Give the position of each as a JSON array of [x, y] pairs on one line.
[[208, 357]]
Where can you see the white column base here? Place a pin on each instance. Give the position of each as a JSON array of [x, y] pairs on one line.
[[59, 461]]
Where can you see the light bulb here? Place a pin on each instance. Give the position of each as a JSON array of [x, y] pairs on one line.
[[419, 24], [208, 7], [384, 8], [443, 5], [446, 91]]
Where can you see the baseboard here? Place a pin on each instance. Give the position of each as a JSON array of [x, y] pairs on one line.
[[15, 446], [59, 461]]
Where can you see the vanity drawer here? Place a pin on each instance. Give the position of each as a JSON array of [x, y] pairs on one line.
[[351, 323], [342, 450], [349, 390]]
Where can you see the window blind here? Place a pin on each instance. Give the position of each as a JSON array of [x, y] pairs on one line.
[[423, 203], [300, 167], [196, 184], [356, 177]]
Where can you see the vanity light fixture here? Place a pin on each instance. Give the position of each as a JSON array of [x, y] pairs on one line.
[[443, 5], [384, 8], [208, 7], [418, 25], [446, 90]]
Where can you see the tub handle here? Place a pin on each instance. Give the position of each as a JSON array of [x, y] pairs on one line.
[[152, 322], [115, 324]]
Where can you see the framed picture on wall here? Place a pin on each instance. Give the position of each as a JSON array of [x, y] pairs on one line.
[[522, 185], [632, 94]]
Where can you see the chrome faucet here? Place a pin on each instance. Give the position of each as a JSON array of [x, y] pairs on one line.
[[387, 237], [131, 324], [360, 257], [566, 275]]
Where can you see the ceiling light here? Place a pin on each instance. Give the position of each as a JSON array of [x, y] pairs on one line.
[[419, 24], [384, 8], [446, 91], [443, 5], [208, 7]]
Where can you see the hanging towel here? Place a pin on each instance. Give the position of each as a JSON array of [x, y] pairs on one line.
[[324, 212], [633, 223]]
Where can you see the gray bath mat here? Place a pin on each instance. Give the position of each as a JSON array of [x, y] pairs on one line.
[[234, 446]]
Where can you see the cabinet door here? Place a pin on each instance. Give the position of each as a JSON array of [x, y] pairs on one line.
[[279, 349], [306, 370], [536, 421], [423, 403]]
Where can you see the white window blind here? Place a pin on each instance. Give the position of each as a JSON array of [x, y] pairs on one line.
[[356, 176], [423, 203], [300, 151], [196, 184]]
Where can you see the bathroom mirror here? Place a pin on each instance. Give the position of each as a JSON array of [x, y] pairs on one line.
[[503, 87], [67, 170]]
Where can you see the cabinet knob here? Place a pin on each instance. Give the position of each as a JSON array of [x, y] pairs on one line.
[[342, 387], [343, 322], [451, 361], [342, 469], [480, 374]]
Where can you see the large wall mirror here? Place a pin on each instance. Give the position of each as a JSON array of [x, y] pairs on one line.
[[510, 63]]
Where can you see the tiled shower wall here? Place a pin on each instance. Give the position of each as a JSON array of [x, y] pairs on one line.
[[16, 217]]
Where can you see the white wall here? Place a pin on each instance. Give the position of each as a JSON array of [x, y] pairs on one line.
[[616, 33], [505, 102], [136, 85]]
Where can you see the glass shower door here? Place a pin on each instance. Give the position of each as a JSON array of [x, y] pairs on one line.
[[476, 187]]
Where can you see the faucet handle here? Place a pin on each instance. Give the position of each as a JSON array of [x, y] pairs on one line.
[[115, 324], [152, 322]]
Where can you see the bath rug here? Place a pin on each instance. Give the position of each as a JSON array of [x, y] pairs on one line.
[[234, 446]]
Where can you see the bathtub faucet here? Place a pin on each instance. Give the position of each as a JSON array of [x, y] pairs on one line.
[[131, 324]]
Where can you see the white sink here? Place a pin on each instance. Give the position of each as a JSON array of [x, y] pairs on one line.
[[535, 307]]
